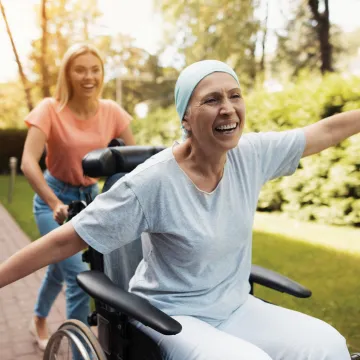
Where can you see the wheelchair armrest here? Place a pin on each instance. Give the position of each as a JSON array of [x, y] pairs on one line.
[[276, 281], [100, 287]]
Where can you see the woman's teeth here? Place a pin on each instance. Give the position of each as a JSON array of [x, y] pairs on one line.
[[226, 128]]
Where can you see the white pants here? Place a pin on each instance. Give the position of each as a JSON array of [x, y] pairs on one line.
[[256, 331]]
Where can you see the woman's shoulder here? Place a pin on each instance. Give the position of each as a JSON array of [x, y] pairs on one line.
[[43, 108], [45, 103], [154, 168], [109, 104]]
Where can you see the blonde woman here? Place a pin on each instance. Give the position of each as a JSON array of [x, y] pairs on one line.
[[70, 125]]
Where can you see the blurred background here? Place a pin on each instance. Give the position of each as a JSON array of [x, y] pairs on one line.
[[298, 61]]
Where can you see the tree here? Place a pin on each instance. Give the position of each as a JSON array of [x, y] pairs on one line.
[[226, 30], [301, 47], [43, 58], [322, 27], [264, 39], [143, 78], [21, 71], [71, 21], [63, 23]]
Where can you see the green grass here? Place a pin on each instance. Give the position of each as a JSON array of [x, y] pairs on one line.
[[331, 275], [342, 238], [323, 258], [21, 206]]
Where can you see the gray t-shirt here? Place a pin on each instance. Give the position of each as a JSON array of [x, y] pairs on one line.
[[197, 257]]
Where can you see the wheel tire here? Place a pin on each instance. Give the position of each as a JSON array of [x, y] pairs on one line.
[[82, 332]]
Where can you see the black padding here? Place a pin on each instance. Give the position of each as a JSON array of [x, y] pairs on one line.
[[276, 281], [129, 157], [116, 142], [111, 180], [118, 159], [100, 287], [100, 162]]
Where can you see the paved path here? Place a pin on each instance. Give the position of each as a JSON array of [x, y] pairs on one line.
[[17, 300]]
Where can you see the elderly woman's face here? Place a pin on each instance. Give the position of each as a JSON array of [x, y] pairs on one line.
[[217, 112]]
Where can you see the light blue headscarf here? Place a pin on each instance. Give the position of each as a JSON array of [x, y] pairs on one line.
[[191, 76]]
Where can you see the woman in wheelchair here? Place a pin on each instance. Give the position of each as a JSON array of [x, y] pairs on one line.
[[196, 200]]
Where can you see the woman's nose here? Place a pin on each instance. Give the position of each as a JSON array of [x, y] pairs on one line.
[[227, 107], [88, 74]]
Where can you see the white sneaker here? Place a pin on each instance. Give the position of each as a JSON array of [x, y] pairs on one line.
[[41, 342]]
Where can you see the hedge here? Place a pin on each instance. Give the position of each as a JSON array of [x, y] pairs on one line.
[[12, 144]]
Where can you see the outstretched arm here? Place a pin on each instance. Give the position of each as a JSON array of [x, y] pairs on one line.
[[55, 246], [331, 131]]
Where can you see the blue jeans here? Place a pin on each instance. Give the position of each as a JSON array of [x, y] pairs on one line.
[[77, 301]]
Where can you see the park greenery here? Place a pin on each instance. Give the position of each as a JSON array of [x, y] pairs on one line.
[[309, 65]]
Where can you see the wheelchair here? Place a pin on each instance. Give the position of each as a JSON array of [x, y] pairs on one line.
[[107, 281]]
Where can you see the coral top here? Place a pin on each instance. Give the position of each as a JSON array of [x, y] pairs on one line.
[[69, 139]]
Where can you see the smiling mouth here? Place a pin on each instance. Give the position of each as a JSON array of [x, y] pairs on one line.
[[88, 87], [227, 129]]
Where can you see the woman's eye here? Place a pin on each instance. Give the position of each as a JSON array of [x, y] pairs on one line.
[[236, 96], [210, 101]]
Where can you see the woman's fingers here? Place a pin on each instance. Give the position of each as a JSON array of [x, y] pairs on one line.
[[60, 213]]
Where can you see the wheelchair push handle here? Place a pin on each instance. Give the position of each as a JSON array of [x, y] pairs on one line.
[[116, 159]]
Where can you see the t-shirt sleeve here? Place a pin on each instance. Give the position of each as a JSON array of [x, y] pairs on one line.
[[40, 116], [280, 152], [113, 219], [121, 118]]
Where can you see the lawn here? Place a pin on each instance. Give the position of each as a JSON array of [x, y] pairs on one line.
[[325, 259], [21, 206]]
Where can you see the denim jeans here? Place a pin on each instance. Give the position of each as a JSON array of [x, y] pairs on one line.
[[77, 301]]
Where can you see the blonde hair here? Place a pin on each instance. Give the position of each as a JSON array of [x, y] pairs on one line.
[[63, 91]]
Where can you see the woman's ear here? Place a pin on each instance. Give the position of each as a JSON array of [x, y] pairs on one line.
[[185, 124]]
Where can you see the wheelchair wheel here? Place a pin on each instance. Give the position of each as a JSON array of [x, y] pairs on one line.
[[73, 340]]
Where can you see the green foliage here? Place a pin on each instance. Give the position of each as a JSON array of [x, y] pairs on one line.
[[12, 105], [72, 21], [325, 187], [160, 127], [225, 30]]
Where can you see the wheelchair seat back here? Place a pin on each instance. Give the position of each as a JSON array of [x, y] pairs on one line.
[[115, 162], [120, 264]]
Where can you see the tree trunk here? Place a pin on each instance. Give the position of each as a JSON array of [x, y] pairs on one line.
[[323, 32], [44, 70], [21, 72], [263, 42]]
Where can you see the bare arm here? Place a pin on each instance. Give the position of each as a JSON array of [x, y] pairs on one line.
[[55, 246], [331, 131], [33, 149], [127, 136]]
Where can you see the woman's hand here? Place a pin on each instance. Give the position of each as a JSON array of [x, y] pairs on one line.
[[60, 213]]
